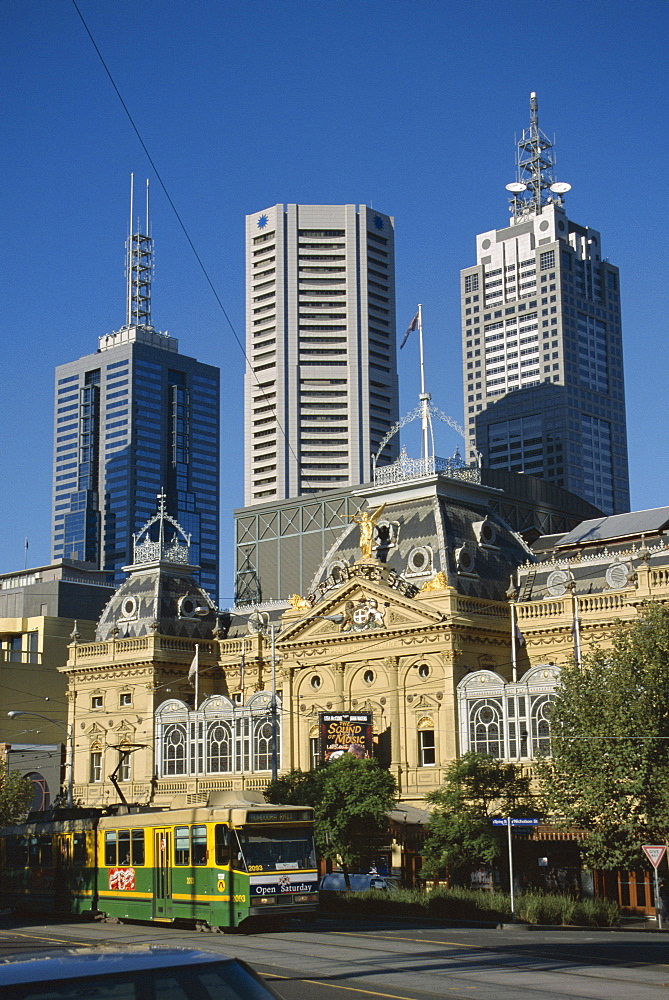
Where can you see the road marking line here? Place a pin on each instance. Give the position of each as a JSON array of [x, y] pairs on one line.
[[37, 937], [388, 937], [353, 989]]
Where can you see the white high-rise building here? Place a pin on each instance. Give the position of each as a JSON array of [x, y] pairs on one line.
[[542, 341], [321, 376]]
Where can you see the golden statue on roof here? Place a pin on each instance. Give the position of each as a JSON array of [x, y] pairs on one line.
[[367, 524]]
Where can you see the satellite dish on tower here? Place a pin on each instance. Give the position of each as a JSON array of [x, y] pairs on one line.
[[516, 187], [258, 622], [560, 187]]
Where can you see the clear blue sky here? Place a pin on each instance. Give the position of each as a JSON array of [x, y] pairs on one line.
[[410, 105]]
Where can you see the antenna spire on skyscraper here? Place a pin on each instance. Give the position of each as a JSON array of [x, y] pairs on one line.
[[535, 184], [139, 266]]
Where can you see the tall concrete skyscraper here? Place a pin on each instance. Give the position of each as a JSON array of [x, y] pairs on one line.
[[541, 341], [134, 420], [321, 376]]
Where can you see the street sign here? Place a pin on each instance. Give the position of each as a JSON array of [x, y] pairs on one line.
[[654, 853], [515, 821]]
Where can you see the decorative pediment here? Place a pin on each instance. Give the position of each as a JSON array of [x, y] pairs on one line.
[[359, 607]]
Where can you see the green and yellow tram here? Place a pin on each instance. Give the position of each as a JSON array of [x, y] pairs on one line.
[[213, 865], [49, 866]]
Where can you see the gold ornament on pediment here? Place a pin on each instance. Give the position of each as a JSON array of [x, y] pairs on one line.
[[299, 603], [438, 582]]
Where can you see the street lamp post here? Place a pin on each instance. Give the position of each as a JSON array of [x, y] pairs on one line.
[[274, 630], [69, 729]]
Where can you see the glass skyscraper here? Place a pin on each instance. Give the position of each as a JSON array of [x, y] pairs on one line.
[[542, 342], [131, 421]]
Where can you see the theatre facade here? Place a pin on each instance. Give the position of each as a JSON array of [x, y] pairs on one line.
[[429, 618]]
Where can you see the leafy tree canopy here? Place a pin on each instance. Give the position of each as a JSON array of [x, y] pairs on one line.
[[351, 800], [476, 788], [608, 773], [16, 794]]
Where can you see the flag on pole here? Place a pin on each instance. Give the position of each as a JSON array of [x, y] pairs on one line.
[[413, 325], [520, 638], [195, 665]]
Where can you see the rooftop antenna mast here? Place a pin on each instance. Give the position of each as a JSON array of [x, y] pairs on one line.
[[535, 184], [139, 266]]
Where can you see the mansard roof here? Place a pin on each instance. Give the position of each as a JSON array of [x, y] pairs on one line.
[[160, 593], [436, 525]]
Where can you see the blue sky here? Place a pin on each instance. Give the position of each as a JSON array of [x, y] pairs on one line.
[[408, 105]]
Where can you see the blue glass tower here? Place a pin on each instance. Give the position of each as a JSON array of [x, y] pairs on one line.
[[131, 421]]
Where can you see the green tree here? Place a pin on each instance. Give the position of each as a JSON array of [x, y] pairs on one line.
[[16, 794], [351, 800], [460, 834], [608, 771], [296, 788]]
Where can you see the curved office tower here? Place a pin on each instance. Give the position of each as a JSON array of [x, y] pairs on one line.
[[321, 376]]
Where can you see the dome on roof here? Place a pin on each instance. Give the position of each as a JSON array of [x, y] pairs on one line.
[[161, 593]]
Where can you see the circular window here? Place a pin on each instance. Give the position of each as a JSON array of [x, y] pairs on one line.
[[486, 714], [129, 607], [485, 245], [561, 226], [420, 560], [316, 682], [488, 533], [423, 670], [368, 677], [543, 226], [557, 581], [465, 561], [187, 607], [616, 575]]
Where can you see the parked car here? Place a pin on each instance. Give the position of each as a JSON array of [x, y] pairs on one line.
[[335, 882], [129, 974]]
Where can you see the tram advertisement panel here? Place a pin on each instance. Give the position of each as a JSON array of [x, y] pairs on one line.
[[345, 732]]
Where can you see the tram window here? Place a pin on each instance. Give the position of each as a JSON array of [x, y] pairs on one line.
[[138, 847], [199, 837], [40, 854], [17, 852], [124, 847], [110, 847], [22, 851], [78, 850], [222, 844], [181, 846]]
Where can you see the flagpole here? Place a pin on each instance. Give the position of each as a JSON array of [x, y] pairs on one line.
[[576, 628], [420, 341], [514, 662], [197, 674], [424, 396]]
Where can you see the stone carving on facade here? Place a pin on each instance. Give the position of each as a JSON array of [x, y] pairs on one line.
[[363, 615], [299, 603], [438, 582]]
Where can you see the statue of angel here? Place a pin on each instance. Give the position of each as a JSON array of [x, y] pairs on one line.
[[367, 524]]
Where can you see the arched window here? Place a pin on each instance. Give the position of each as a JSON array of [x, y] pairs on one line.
[[263, 746], [540, 725], [174, 749], [507, 719], [219, 747], [485, 727]]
